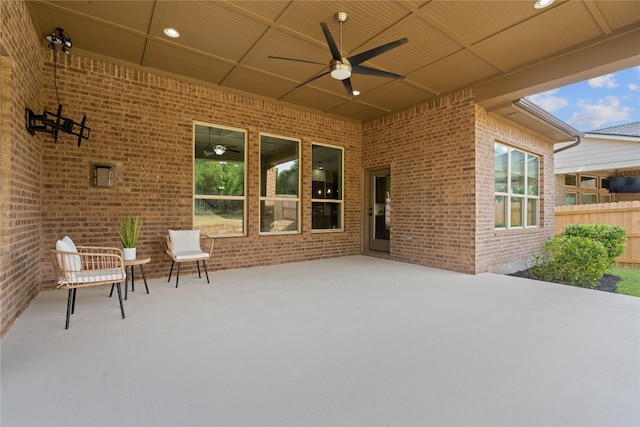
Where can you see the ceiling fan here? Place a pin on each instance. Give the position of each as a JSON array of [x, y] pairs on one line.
[[340, 67], [217, 148]]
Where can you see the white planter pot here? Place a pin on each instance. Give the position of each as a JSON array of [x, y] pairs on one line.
[[129, 254]]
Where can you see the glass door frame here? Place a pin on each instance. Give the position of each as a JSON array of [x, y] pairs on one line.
[[371, 243]]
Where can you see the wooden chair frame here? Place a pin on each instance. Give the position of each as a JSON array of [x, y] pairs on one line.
[[90, 266]]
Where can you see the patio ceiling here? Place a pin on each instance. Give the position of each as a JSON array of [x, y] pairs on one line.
[[506, 49]]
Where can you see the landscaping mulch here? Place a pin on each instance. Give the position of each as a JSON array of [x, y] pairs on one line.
[[608, 283]]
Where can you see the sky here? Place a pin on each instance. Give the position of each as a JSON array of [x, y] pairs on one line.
[[601, 102]]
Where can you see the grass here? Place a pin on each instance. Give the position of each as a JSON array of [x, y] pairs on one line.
[[630, 283]]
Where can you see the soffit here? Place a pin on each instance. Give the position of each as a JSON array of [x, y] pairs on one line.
[[452, 45]]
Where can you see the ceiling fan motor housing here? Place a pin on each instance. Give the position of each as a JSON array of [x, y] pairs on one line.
[[340, 70]]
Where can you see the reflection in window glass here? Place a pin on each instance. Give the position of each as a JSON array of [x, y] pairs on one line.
[[532, 212], [326, 188], [570, 199], [516, 211], [588, 199], [605, 198], [501, 159], [588, 182], [532, 175], [517, 172], [501, 212], [279, 185], [571, 180], [219, 180]]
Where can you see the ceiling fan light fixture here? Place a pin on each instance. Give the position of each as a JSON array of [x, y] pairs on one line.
[[340, 71], [219, 149], [355, 93]]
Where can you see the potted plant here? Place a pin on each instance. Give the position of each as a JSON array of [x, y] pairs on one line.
[[129, 231]]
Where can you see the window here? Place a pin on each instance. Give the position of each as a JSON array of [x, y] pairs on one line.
[[219, 180], [326, 188], [570, 180], [279, 185], [517, 184], [570, 199], [605, 198], [588, 182], [588, 199]]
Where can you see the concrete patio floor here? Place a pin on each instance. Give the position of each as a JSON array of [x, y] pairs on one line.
[[355, 341]]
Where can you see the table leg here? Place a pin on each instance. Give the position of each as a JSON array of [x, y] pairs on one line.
[[144, 278], [126, 281], [133, 279]]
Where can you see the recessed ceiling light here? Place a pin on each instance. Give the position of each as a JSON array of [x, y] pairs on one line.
[[171, 32], [541, 4]]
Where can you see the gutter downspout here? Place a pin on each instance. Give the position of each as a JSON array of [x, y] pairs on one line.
[[537, 112], [566, 147]]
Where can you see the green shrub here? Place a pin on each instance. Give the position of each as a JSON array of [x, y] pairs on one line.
[[574, 260], [611, 236]]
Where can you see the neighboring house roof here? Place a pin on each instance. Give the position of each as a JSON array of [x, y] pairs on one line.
[[628, 129], [612, 148]]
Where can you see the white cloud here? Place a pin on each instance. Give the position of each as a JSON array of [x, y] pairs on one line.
[[607, 81], [632, 86], [548, 100], [593, 116]]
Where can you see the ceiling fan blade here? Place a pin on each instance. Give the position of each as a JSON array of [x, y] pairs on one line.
[[366, 55], [295, 59], [347, 86], [313, 78], [333, 47], [361, 69]]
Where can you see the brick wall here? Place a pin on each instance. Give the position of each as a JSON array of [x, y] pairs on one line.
[[20, 162], [440, 154], [508, 250], [431, 150], [142, 124]]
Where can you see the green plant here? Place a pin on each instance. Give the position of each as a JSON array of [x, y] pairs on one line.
[[573, 260], [129, 230], [611, 236]]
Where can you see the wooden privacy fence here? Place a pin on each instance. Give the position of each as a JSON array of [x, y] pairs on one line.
[[623, 214]]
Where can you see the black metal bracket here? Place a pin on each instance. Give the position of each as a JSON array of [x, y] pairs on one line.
[[51, 123]]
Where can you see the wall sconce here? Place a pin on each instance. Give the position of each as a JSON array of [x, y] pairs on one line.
[[102, 175]]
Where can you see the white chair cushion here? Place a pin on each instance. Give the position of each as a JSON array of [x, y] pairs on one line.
[[92, 276], [195, 255], [185, 241], [71, 262]]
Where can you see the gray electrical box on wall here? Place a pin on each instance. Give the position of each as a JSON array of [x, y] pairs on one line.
[[102, 175]]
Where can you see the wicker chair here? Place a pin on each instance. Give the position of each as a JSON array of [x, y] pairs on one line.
[[84, 266], [188, 246]]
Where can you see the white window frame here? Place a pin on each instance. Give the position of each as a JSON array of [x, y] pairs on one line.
[[281, 198], [339, 202], [525, 197], [243, 198]]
